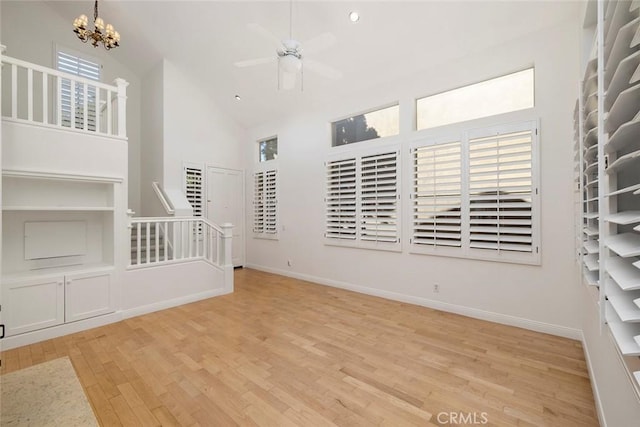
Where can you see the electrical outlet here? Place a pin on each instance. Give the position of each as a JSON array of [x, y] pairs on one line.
[[436, 288]]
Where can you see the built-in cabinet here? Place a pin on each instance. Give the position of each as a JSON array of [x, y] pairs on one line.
[[58, 249], [607, 123]]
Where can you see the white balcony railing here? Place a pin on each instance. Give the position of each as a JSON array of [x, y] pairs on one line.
[[168, 240], [44, 96]]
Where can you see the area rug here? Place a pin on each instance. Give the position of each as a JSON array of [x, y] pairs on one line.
[[47, 394]]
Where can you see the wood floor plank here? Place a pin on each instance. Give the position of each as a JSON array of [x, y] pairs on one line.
[[280, 351]]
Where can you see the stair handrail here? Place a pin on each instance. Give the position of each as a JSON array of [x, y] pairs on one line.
[[163, 198]]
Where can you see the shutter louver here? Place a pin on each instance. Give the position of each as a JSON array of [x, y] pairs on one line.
[[437, 181], [84, 68], [265, 203], [341, 199], [379, 198], [500, 192]]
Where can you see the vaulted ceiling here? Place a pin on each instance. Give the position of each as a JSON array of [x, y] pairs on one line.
[[393, 39]]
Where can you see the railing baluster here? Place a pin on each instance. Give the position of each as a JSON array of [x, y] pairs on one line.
[[85, 106], [175, 241], [45, 98], [73, 104], [98, 112], [109, 123], [166, 239], [157, 243], [59, 101], [148, 239], [138, 240], [191, 237], [14, 91], [30, 94]]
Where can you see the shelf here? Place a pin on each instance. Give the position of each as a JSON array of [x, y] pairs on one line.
[[626, 244], [624, 217], [591, 121], [591, 138], [622, 303], [625, 190], [621, 49], [591, 278], [624, 109], [621, 77], [591, 231], [59, 208], [592, 246], [624, 273], [591, 262], [622, 161], [626, 135]]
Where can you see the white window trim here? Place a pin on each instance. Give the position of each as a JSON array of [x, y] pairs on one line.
[[264, 167], [358, 153], [533, 258]]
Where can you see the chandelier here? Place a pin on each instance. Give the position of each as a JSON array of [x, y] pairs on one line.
[[108, 36]]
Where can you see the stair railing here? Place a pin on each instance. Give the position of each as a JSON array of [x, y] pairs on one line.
[[156, 241]]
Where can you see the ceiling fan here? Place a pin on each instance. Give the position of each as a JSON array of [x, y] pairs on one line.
[[289, 55]]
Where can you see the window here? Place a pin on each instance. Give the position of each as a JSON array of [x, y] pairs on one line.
[[476, 195], [265, 222], [362, 201], [268, 149], [496, 96], [374, 124], [193, 188], [72, 100]]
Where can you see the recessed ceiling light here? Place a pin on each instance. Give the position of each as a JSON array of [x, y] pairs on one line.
[[354, 16], [238, 98]]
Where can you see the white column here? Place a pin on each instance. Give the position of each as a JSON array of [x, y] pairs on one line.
[[227, 256], [122, 106]]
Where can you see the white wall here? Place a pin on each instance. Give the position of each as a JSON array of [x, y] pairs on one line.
[[541, 297], [19, 19], [152, 140], [195, 129]]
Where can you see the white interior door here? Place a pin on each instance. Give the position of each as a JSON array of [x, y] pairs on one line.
[[225, 203]]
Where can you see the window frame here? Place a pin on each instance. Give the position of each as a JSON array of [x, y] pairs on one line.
[[265, 140], [463, 135], [358, 154]]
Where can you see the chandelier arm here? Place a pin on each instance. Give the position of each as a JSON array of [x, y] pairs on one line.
[[95, 11]]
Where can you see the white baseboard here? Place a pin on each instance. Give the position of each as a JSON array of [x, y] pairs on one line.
[[27, 338], [594, 385], [162, 305], [504, 319]]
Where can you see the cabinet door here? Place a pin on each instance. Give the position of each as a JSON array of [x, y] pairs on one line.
[[33, 304], [88, 295]]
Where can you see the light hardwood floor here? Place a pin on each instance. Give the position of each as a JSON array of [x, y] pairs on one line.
[[281, 352]]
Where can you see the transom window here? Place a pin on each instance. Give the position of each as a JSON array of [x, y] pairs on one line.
[[268, 149], [495, 96], [378, 123]]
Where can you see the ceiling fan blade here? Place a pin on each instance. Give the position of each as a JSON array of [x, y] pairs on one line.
[[321, 69], [252, 62], [263, 32], [318, 43]]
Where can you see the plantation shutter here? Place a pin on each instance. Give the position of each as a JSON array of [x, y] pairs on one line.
[[379, 197], [437, 202], [341, 199], [194, 189], [270, 205], [258, 202], [501, 191], [82, 67]]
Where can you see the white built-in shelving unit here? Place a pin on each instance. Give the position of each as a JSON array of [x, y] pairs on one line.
[[58, 249], [608, 155]]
